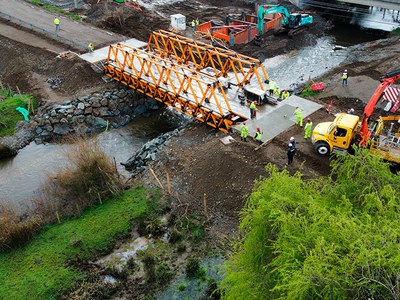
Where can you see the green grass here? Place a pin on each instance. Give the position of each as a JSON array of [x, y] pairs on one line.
[[42, 269], [53, 9], [8, 115], [73, 16], [37, 2]]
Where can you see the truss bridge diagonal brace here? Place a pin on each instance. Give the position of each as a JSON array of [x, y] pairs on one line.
[[178, 86], [202, 55]]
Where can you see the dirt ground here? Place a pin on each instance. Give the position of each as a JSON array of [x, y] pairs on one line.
[[197, 162], [29, 68]]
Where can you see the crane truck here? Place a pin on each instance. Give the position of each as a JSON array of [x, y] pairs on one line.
[[347, 130], [291, 22]]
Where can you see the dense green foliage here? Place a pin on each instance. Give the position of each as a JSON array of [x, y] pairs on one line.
[[8, 115], [41, 269], [320, 239], [396, 31]]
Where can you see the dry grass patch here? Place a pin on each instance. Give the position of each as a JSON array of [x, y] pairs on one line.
[[15, 232], [90, 177]]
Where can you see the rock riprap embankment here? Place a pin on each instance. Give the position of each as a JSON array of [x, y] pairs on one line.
[[85, 115]]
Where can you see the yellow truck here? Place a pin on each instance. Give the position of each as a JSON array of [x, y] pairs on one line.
[[336, 136], [347, 129]]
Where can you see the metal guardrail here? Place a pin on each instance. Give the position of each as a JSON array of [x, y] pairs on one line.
[[53, 35]]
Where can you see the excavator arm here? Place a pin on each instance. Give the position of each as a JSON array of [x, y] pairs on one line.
[[270, 9], [388, 79]]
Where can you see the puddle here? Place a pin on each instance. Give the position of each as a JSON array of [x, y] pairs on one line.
[[192, 288]]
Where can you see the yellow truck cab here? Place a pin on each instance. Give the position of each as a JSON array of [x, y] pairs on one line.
[[336, 136]]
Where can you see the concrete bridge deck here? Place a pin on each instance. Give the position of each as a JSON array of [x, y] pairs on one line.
[[388, 4]]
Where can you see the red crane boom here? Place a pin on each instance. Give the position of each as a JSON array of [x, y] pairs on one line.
[[388, 79]]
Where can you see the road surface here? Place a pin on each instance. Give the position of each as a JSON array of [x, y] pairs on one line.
[[72, 33]]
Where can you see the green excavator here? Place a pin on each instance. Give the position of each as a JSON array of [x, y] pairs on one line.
[[292, 23]]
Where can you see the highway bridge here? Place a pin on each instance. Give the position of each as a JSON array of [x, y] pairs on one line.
[[386, 4]]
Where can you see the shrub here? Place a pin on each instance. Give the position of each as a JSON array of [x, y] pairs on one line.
[[149, 266], [13, 231], [181, 247], [201, 274], [192, 267], [175, 237], [181, 287], [396, 31], [90, 178], [164, 274]]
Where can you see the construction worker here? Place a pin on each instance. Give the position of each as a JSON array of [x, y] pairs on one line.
[[285, 94], [299, 117], [253, 109], [290, 153], [197, 22], [344, 77], [277, 91], [258, 135], [57, 23], [351, 111], [244, 132], [271, 87], [194, 24], [293, 141], [307, 129], [91, 48]]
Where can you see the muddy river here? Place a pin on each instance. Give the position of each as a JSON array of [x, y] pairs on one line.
[[21, 176]]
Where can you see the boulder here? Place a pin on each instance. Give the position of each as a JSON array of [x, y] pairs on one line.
[[6, 151], [62, 129], [88, 110]]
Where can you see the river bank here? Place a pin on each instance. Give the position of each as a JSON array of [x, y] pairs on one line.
[[209, 181]]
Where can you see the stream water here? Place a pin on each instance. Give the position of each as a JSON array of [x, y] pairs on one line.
[[21, 176]]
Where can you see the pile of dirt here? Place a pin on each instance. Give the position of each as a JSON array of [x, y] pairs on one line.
[[200, 165], [29, 68]]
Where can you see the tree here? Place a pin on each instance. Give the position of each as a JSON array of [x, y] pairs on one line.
[[335, 237]]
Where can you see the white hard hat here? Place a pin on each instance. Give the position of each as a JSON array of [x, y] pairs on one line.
[[292, 138], [345, 70]]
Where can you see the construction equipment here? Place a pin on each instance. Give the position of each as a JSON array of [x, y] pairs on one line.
[[346, 130], [291, 22]]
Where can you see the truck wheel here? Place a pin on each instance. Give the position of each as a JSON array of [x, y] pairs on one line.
[[322, 148]]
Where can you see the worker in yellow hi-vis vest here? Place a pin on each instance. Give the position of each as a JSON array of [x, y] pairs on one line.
[[307, 129], [299, 116], [244, 132], [57, 23]]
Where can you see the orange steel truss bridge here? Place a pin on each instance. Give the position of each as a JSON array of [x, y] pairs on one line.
[[187, 75]]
